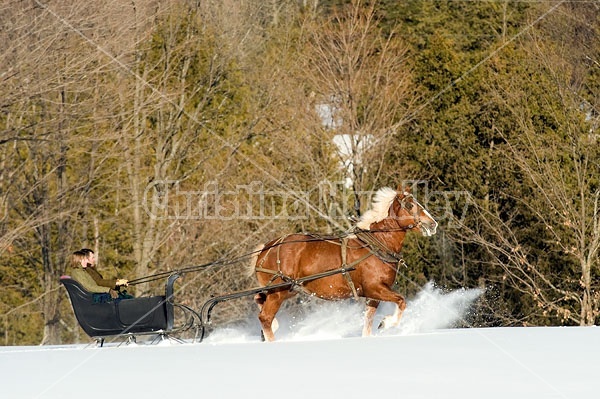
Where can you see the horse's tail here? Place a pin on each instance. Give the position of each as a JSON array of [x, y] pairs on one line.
[[251, 267]]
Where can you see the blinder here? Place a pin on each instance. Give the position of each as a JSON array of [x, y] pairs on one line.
[[409, 206]]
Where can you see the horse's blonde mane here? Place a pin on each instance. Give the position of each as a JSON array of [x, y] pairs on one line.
[[382, 200]]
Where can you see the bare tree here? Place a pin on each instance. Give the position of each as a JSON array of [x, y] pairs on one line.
[[544, 230], [43, 81], [51, 137], [362, 85]]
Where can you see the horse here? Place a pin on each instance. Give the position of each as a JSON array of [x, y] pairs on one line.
[[363, 263]]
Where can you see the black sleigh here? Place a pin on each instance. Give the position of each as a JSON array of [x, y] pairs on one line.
[[129, 318]]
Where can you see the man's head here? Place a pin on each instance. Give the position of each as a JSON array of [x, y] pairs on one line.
[[90, 256]]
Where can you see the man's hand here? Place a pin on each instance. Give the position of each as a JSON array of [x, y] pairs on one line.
[[113, 294], [121, 282]]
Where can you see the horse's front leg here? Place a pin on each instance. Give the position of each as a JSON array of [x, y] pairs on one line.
[[371, 308], [392, 320], [384, 293]]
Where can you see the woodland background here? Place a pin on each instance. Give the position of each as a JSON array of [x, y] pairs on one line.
[[167, 134]]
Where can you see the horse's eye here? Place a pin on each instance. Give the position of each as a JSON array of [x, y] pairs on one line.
[[409, 206]]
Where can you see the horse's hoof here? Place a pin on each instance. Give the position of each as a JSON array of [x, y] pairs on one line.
[[385, 323]]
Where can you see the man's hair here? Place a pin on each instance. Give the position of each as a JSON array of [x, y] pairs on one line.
[[86, 251]]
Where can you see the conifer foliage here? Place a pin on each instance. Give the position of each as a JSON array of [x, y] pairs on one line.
[[170, 134]]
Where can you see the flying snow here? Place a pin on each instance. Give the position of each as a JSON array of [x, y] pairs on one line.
[[311, 318]]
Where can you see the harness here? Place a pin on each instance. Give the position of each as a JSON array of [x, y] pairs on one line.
[[375, 246], [344, 269], [379, 248]]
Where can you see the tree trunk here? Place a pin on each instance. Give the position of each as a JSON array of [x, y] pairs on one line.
[[50, 301]]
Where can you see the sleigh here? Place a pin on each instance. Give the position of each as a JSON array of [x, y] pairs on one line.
[[128, 318]]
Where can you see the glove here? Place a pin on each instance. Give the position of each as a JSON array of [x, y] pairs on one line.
[[122, 282]]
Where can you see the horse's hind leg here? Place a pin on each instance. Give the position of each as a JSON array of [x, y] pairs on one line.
[[268, 309], [260, 299], [369, 314]]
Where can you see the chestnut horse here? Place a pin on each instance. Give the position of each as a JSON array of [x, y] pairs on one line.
[[366, 261]]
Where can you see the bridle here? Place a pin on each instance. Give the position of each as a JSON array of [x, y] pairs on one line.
[[408, 206], [379, 248]]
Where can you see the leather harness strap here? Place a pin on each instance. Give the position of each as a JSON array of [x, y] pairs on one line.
[[259, 268], [344, 269], [344, 246], [378, 247]]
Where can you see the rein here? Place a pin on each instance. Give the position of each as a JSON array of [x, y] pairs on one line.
[[378, 247], [313, 237], [375, 245], [344, 270]]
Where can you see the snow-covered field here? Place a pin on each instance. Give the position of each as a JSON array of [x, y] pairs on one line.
[[320, 355]]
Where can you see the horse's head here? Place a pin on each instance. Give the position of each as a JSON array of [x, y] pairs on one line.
[[397, 210], [409, 214]]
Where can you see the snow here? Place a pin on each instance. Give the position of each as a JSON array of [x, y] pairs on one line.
[[320, 354]]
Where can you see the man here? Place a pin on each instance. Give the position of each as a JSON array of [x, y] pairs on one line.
[[115, 284]]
